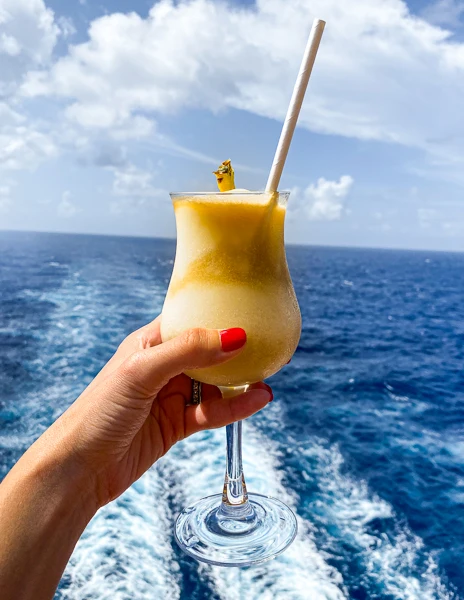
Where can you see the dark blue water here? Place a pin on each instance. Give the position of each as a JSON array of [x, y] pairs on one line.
[[365, 439]]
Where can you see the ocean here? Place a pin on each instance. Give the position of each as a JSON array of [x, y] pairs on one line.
[[365, 438]]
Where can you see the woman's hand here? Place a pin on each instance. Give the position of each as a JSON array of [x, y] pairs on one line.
[[138, 406], [130, 415]]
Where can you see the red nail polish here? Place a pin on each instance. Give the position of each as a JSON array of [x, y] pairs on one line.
[[232, 339], [288, 362], [263, 386], [269, 389]]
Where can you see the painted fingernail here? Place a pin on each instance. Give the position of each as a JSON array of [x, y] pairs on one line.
[[232, 339], [263, 386], [269, 389], [288, 362]]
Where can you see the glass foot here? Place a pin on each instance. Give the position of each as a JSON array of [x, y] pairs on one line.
[[255, 534]]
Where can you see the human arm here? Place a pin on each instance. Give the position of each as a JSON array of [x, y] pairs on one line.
[[128, 417]]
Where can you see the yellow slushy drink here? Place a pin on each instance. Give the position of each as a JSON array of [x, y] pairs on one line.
[[231, 271]]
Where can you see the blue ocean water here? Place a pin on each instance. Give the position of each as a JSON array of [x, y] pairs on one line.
[[364, 440]]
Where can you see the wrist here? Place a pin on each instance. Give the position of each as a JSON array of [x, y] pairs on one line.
[[65, 481], [44, 508], [52, 468]]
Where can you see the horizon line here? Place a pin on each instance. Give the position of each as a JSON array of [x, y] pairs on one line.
[[173, 239]]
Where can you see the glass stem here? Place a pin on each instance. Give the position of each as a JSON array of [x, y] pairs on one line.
[[234, 491], [235, 512]]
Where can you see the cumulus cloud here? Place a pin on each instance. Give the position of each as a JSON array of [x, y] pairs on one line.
[[23, 147], [66, 208], [133, 181], [444, 12], [132, 188], [327, 198], [5, 198], [105, 155], [66, 25], [28, 34], [427, 217], [324, 200], [8, 116], [380, 74], [121, 125]]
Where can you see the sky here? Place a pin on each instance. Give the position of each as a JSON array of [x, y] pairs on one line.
[[105, 107]]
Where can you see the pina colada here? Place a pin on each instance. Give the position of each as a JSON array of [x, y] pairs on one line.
[[231, 271]]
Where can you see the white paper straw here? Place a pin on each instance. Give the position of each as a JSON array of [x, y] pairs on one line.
[[295, 105]]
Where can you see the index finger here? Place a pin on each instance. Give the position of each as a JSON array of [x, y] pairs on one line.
[[146, 337]]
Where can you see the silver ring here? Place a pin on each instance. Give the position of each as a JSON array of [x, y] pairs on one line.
[[196, 392]]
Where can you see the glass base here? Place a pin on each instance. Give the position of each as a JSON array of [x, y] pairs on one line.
[[208, 532]]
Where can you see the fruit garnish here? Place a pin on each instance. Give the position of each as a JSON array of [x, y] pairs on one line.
[[225, 176]]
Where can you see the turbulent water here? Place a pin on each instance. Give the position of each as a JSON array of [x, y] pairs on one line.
[[365, 439]]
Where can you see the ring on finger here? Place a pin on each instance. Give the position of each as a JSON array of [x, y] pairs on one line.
[[196, 392]]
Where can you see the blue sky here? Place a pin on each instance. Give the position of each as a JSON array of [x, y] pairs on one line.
[[107, 106]]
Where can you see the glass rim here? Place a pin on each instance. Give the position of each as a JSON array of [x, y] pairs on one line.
[[231, 193]]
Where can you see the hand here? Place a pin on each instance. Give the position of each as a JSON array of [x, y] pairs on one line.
[[129, 416], [137, 407]]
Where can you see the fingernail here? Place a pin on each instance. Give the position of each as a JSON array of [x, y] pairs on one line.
[[269, 389], [263, 386], [232, 339], [288, 362]]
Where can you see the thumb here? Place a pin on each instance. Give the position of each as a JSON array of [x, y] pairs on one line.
[[193, 349]]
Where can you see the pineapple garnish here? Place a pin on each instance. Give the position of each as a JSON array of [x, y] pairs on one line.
[[225, 177]]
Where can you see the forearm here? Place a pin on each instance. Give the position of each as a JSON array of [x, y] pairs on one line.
[[44, 508]]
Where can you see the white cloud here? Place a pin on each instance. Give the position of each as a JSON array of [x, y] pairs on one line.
[[453, 229], [5, 198], [121, 125], [380, 73], [444, 12], [8, 116], [322, 201], [67, 27], [9, 45], [427, 217], [23, 147], [66, 208], [133, 187], [133, 181], [28, 34], [325, 200]]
